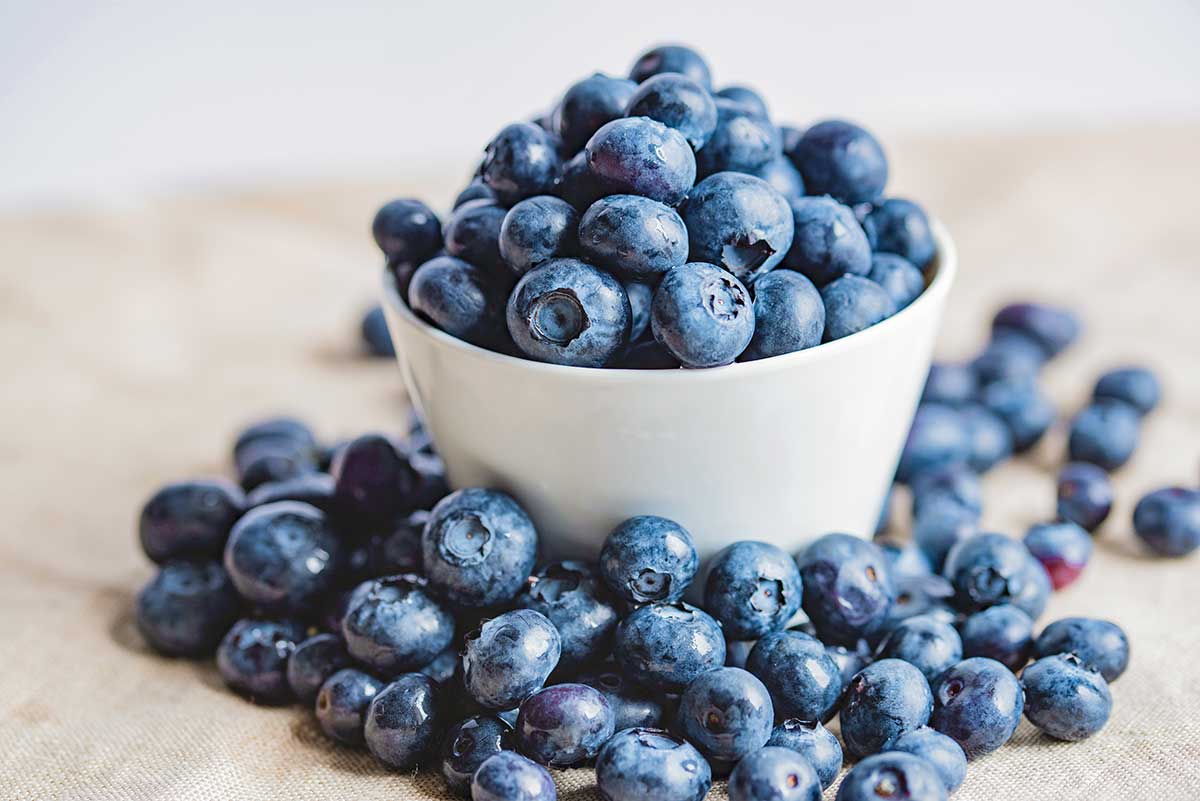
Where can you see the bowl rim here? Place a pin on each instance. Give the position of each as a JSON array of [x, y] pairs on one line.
[[945, 267]]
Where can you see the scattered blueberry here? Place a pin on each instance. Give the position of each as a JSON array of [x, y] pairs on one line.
[[314, 489], [678, 102], [648, 558], [1035, 589], [373, 480], [752, 588], [774, 774], [640, 763], [905, 560], [849, 660], [375, 335], [252, 658], [789, 315], [186, 608], [738, 222], [1168, 521], [563, 725], [942, 524], [590, 103], [812, 741], [1135, 386], [847, 587], [476, 190], [635, 237], [1105, 434], [841, 159], [726, 713], [467, 744], [1065, 699], [1063, 548], [703, 315], [508, 776], [828, 242], [458, 298], [672, 58], [1024, 409], [991, 441], [1009, 356], [978, 704], [951, 384], [928, 644], [399, 549], [937, 749], [893, 774], [743, 141], [901, 227], [403, 721], [391, 625], [509, 658], [312, 662], [1099, 644], [632, 706], [803, 680], [885, 700], [664, 646], [953, 483], [407, 230], [1085, 495], [520, 162], [1003, 633], [189, 518], [571, 597], [272, 458], [899, 278], [925, 596], [853, 304], [342, 702], [639, 156], [1051, 327], [536, 230], [986, 570]]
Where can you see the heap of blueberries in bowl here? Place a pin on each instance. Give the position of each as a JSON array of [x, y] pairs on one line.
[[651, 222]]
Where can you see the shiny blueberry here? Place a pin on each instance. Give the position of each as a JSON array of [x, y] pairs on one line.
[[459, 298], [1105, 434], [847, 587], [1051, 327], [789, 315], [467, 744], [391, 625], [1065, 699], [886, 699], [678, 102], [648, 558], [1003, 633], [639, 156], [476, 190], [578, 186], [752, 588], [703, 315], [812, 741], [937, 749], [1168, 521], [373, 480], [508, 776], [1100, 644], [841, 159], [590, 103], [186, 608], [273, 459], [927, 643], [664, 646], [640, 763], [342, 702], [738, 222], [1085, 495], [634, 237], [536, 230], [986, 570], [572, 597], [407, 230], [1023, 407], [445, 668], [641, 297], [1063, 548], [953, 483], [774, 774], [803, 680], [563, 725], [672, 58], [978, 704], [743, 141], [479, 547], [950, 383], [283, 557], [726, 713], [1135, 386], [403, 721], [509, 658], [252, 658], [901, 227], [190, 518], [991, 441], [780, 173], [892, 775], [899, 278], [473, 235], [632, 706], [520, 162], [314, 489], [853, 304], [314, 661], [828, 242]]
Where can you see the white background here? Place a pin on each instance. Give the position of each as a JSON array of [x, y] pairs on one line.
[[113, 99]]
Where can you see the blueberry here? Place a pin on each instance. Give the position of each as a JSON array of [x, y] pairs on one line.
[[1135, 386], [738, 222], [743, 141], [901, 227], [905, 560], [639, 156], [1051, 327], [342, 703], [977, 703], [467, 745], [841, 159], [678, 102], [635, 237], [312, 662], [943, 523], [899, 278], [1065, 699], [1101, 645], [473, 235], [403, 721], [407, 230], [445, 668], [509, 658], [752, 588], [373, 480], [1035, 588], [1003, 633], [886, 699], [641, 762], [536, 230], [672, 58], [924, 596], [703, 315], [1168, 521], [189, 518], [664, 646], [828, 241], [186, 608], [789, 315], [781, 174], [279, 430], [737, 652], [566, 311], [853, 304], [893, 774], [847, 587], [283, 557], [648, 558], [937, 749], [563, 725], [990, 440], [392, 626], [1063, 548], [641, 296], [774, 774], [578, 186], [1105, 434], [1085, 495], [458, 298], [803, 680], [273, 459], [374, 333], [951, 384], [928, 644], [812, 741], [478, 548], [986, 570], [520, 162], [508, 776], [1023, 407], [953, 483], [631, 705], [726, 713], [399, 549], [571, 597], [589, 104], [649, 354], [252, 658], [314, 489], [476, 190], [849, 660], [1009, 356]]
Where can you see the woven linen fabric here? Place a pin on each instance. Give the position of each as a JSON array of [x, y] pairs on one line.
[[136, 338]]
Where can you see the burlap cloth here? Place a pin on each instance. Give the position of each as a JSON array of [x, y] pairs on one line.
[[136, 337]]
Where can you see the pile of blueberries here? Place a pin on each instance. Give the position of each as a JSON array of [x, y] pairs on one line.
[[640, 222]]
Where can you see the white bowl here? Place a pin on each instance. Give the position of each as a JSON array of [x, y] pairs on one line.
[[783, 449]]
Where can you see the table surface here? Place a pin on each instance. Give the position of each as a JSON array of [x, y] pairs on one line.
[[137, 338]]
